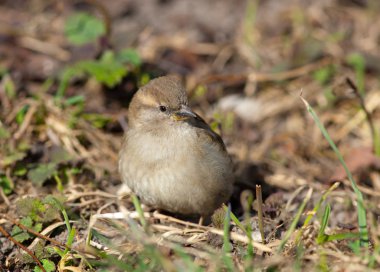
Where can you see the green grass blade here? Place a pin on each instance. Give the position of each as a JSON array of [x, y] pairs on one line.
[[315, 210], [235, 219], [322, 236], [295, 220], [362, 220], [325, 219], [139, 210], [343, 236], [321, 200]]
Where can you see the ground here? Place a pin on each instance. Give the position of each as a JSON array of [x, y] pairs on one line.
[[260, 73]]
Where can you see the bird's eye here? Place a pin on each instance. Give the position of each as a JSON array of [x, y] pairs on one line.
[[163, 108]]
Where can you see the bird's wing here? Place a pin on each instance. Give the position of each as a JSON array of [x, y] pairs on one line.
[[198, 122]]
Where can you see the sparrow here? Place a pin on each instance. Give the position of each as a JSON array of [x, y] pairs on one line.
[[170, 158]]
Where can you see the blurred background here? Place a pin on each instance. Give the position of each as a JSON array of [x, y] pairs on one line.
[[68, 70]]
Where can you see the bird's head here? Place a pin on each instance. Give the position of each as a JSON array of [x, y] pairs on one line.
[[163, 99]]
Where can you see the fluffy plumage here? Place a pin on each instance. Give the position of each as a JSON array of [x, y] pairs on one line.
[[170, 157]]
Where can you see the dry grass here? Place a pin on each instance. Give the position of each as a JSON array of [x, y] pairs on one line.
[[246, 83]]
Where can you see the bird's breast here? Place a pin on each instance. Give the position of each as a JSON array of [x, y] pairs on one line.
[[176, 172]]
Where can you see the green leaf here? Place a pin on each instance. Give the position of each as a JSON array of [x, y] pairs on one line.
[[234, 219], [315, 210], [70, 239], [27, 222], [74, 100], [82, 28], [65, 77], [53, 201], [107, 70], [355, 247], [58, 205], [322, 237], [129, 56], [37, 210], [140, 211], [325, 218], [6, 184], [59, 155], [29, 206], [343, 236], [13, 158], [21, 235], [43, 172], [21, 114], [47, 264], [20, 170]]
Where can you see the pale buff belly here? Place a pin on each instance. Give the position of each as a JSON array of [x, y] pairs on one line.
[[180, 190], [181, 180]]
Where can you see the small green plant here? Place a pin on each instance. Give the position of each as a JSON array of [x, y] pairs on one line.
[[38, 210], [296, 219], [48, 265], [82, 28], [35, 212], [140, 212], [44, 171], [315, 210], [57, 204], [13, 155], [6, 184], [21, 114], [323, 237], [20, 235], [109, 69]]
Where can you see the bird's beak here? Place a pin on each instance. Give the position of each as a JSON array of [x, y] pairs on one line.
[[183, 114]]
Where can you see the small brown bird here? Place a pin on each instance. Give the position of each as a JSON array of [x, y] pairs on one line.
[[170, 157]]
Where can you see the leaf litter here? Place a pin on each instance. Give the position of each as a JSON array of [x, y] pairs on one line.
[[249, 67]]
